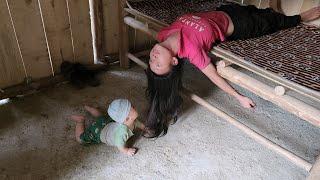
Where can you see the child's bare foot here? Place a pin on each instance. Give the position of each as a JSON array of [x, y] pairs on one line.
[[131, 151], [79, 125], [311, 14], [77, 118], [93, 111]]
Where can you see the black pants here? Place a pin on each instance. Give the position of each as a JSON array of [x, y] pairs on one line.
[[251, 22]]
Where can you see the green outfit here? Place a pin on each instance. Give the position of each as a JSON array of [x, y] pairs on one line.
[[107, 131], [91, 134]]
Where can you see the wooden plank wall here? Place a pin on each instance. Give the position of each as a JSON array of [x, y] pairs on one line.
[[11, 67], [138, 40], [37, 35]]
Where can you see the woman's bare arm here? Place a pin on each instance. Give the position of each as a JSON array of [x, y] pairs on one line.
[[211, 72]]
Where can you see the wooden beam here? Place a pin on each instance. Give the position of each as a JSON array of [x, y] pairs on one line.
[[123, 36], [251, 133], [315, 171], [291, 104]]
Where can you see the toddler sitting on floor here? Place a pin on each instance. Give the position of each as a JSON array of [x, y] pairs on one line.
[[114, 128]]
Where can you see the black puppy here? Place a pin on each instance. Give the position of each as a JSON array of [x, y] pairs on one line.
[[79, 75]]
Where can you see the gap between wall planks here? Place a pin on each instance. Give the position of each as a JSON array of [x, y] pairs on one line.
[[56, 22], [81, 30], [11, 65], [29, 30]]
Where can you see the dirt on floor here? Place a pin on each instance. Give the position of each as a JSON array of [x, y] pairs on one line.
[[37, 138]]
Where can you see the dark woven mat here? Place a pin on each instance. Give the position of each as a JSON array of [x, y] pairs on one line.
[[167, 11], [293, 54]]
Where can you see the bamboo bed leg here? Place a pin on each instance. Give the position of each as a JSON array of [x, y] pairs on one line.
[[223, 63], [279, 90], [315, 171], [123, 36]]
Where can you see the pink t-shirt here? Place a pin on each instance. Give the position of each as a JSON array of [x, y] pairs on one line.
[[197, 33]]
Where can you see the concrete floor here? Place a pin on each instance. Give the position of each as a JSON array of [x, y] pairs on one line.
[[37, 139]]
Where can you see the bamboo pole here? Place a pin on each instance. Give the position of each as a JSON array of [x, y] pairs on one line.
[[140, 26], [291, 104], [137, 60], [251, 133], [315, 171], [254, 135]]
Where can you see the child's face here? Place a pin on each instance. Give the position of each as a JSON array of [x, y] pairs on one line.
[[133, 114], [161, 60]]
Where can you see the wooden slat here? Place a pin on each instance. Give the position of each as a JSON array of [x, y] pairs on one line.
[[123, 36], [308, 4], [11, 65], [56, 21], [111, 26], [81, 30], [28, 25]]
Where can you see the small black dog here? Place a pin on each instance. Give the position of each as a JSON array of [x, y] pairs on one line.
[[79, 75]]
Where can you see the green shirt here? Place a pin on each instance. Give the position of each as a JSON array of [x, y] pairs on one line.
[[116, 134]]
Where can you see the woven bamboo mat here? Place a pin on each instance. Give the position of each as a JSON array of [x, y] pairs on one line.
[[167, 11], [293, 54]]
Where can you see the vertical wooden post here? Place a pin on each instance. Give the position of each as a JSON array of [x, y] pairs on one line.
[[97, 29], [276, 5], [123, 36]]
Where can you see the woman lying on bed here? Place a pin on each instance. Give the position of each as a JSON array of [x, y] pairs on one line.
[[191, 37]]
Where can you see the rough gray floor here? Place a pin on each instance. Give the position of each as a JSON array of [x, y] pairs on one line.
[[37, 139]]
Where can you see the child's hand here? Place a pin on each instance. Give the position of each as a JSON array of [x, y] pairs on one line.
[[131, 151]]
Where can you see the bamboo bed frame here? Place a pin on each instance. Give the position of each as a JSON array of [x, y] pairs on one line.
[[276, 95]]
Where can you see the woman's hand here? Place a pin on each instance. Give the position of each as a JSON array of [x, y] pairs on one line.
[[246, 102]]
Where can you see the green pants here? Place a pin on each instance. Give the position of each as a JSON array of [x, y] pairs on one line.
[[91, 134]]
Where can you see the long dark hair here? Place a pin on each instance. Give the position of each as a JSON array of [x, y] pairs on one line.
[[164, 97]]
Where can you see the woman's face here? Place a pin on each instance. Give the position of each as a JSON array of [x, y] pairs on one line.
[[161, 60]]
